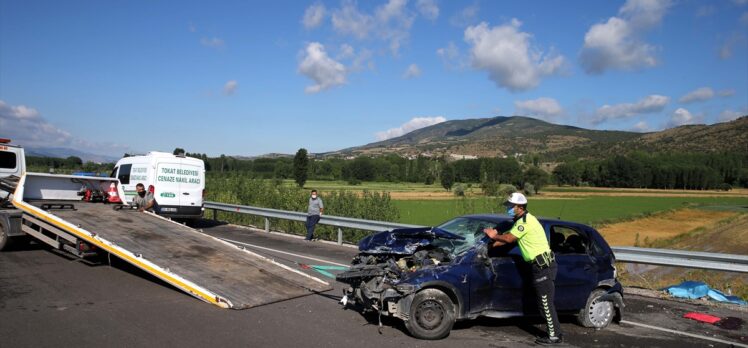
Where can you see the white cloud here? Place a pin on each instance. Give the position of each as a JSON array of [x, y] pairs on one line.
[[649, 104], [451, 56], [616, 43], [744, 18], [412, 71], [641, 127], [545, 108], [212, 42], [390, 22], [506, 54], [323, 70], [726, 92], [407, 127], [740, 2], [363, 59], [230, 87], [348, 20], [192, 28], [428, 9], [314, 15], [729, 115], [700, 94], [681, 117], [734, 40], [26, 127], [394, 23], [466, 16]]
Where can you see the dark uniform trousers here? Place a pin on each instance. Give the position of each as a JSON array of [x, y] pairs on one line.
[[544, 283]]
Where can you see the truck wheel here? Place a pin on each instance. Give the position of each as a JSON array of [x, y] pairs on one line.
[[6, 242], [596, 313], [432, 315]]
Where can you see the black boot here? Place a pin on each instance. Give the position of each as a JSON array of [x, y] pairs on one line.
[[547, 341]]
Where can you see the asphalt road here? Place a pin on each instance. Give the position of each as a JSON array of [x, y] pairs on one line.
[[47, 299]]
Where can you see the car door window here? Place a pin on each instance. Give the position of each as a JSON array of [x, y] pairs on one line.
[[568, 240]]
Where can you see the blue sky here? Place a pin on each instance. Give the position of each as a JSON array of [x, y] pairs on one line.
[[247, 78]]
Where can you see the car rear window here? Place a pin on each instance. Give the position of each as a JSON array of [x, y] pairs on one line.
[[124, 174]]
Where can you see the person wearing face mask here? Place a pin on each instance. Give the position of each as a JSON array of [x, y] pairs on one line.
[[314, 212], [143, 200], [529, 234]]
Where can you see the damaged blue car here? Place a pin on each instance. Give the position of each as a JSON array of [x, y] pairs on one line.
[[432, 277]]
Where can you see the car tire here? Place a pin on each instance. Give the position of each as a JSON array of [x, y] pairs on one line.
[[432, 315], [596, 313]]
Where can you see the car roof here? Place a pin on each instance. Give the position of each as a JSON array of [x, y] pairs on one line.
[[498, 218]]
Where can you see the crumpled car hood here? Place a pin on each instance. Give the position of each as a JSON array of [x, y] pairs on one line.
[[403, 241]]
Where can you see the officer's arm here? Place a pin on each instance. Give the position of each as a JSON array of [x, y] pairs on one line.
[[499, 239]]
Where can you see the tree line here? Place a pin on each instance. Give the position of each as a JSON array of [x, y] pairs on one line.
[[695, 171]]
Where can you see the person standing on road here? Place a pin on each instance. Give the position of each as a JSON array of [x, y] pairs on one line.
[[533, 244], [143, 200], [314, 212]]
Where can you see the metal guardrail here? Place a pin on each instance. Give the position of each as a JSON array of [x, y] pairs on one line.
[[661, 257], [336, 221], [683, 258]]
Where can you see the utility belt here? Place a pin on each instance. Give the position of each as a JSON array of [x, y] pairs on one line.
[[544, 260]]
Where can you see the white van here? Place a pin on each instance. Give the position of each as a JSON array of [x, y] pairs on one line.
[[178, 182]]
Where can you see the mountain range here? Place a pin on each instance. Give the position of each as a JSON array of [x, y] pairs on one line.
[[507, 136]]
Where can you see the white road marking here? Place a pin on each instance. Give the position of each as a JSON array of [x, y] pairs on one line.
[[284, 252], [684, 333]]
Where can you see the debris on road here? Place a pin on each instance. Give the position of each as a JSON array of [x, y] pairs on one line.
[[702, 317], [694, 290]]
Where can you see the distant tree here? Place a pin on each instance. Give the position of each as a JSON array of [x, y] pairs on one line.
[[447, 177], [178, 151], [74, 161], [535, 176], [429, 180], [300, 167]]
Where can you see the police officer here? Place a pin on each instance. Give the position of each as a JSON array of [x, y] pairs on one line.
[[533, 244]]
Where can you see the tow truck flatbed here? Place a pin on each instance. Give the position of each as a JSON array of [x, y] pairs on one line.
[[201, 265]]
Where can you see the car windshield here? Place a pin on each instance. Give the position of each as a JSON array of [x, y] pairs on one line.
[[469, 228]]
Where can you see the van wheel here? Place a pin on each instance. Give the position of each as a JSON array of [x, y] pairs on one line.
[[596, 313], [432, 315]]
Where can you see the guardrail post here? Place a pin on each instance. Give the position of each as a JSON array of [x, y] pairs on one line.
[[340, 236], [267, 224], [215, 214]]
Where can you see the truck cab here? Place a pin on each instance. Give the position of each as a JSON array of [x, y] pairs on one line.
[[12, 166], [12, 159]]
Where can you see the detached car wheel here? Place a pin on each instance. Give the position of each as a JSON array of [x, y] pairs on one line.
[[597, 313], [432, 315]]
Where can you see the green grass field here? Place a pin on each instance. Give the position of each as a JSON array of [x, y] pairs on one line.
[[593, 210]]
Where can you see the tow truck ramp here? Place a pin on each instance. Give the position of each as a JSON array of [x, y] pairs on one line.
[[203, 266]]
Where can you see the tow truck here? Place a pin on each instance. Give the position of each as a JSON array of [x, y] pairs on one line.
[[74, 214]]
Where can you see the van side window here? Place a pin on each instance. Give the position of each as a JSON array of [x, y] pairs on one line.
[[7, 160], [567, 240], [124, 174]]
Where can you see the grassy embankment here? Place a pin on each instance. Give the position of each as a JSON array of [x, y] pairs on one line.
[[729, 235]]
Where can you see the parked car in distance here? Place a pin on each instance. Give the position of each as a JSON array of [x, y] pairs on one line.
[[432, 277]]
